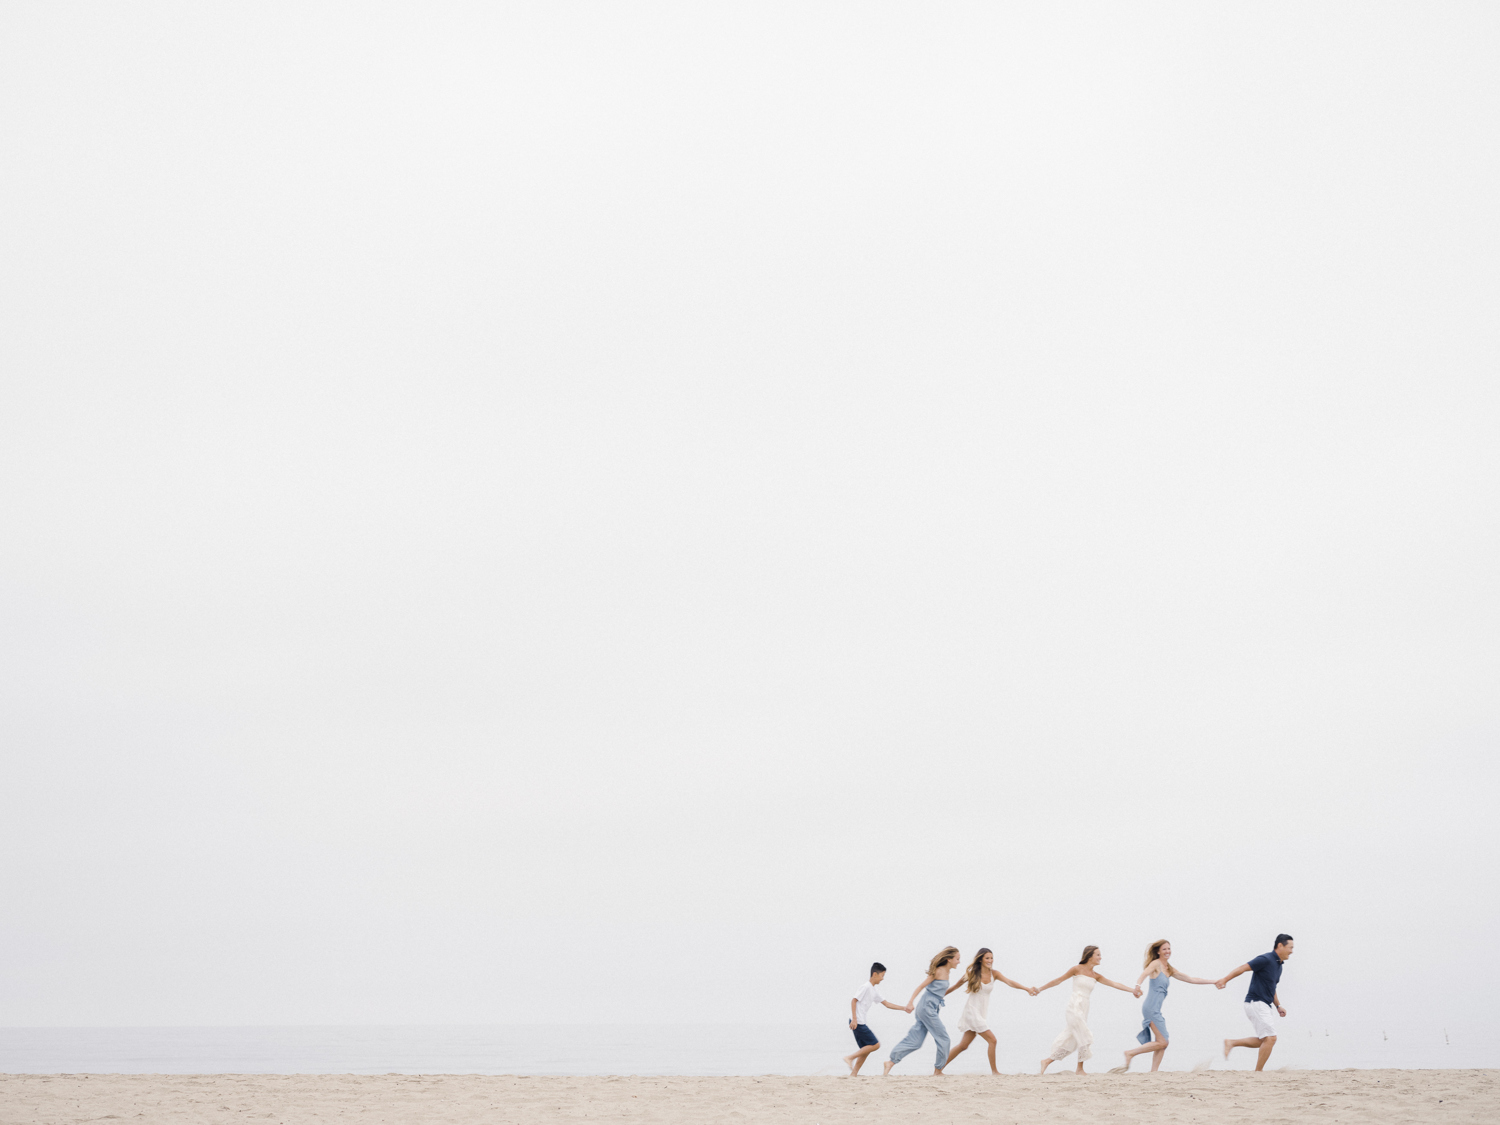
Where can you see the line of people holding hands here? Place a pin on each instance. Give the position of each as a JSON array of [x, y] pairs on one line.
[[981, 976]]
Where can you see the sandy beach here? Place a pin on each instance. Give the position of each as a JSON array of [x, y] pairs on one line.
[[1207, 1097]]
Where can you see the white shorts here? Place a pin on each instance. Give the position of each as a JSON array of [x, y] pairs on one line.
[[1260, 1014]]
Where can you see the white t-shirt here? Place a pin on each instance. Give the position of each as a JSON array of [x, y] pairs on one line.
[[865, 999]]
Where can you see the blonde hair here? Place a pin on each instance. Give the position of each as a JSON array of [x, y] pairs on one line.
[[941, 958], [972, 973], [1153, 951]]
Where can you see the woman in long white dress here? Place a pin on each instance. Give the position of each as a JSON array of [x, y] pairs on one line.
[[1076, 1035], [979, 979]]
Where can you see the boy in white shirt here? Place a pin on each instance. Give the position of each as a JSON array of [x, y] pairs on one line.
[[859, 1009]]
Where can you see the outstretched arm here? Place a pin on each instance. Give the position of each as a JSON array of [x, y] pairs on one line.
[[1059, 980], [893, 1007], [954, 986], [1189, 980], [1003, 979], [1227, 977], [928, 979], [1136, 991]]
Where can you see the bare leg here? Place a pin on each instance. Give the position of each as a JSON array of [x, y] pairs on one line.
[[963, 1045], [989, 1037], [1080, 1067], [1131, 1054], [1265, 1051], [857, 1060], [887, 1070], [1157, 1046], [1230, 1044], [1045, 1064]]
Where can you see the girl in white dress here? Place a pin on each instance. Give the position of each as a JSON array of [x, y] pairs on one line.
[[1076, 1035], [979, 979]]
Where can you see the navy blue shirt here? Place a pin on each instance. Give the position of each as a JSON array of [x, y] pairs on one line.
[[1266, 974]]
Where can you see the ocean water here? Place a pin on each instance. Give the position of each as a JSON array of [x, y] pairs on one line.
[[683, 1049]]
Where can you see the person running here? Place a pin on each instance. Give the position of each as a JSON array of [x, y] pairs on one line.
[[859, 1009], [1076, 1035], [980, 978], [933, 989], [1153, 1035], [1262, 997]]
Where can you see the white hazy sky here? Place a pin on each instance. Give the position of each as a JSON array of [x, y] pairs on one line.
[[584, 512]]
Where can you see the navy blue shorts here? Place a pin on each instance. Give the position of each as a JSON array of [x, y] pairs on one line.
[[865, 1037]]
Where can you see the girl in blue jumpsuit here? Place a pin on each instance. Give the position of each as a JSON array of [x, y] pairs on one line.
[[932, 990]]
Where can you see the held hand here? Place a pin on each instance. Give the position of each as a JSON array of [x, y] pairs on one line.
[[1220, 983], [1034, 991], [1137, 992], [909, 1009]]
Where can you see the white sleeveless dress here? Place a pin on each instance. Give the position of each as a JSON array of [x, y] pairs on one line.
[[976, 1017], [1076, 1035]]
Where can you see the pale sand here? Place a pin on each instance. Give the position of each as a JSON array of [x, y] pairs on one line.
[[1209, 1097]]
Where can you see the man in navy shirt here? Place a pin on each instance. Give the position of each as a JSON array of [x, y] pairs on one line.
[[1265, 973]]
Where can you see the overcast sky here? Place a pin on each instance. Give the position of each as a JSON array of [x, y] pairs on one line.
[[583, 512]]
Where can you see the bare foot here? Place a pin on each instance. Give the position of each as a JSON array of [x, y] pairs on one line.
[[887, 1070], [1045, 1064], [1227, 1047], [937, 1072], [849, 1062]]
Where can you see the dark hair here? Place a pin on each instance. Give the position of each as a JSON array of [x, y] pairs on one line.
[[1088, 951], [972, 974], [876, 968], [1282, 939]]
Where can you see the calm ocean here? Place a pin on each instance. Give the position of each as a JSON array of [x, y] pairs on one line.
[[652, 1049]]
